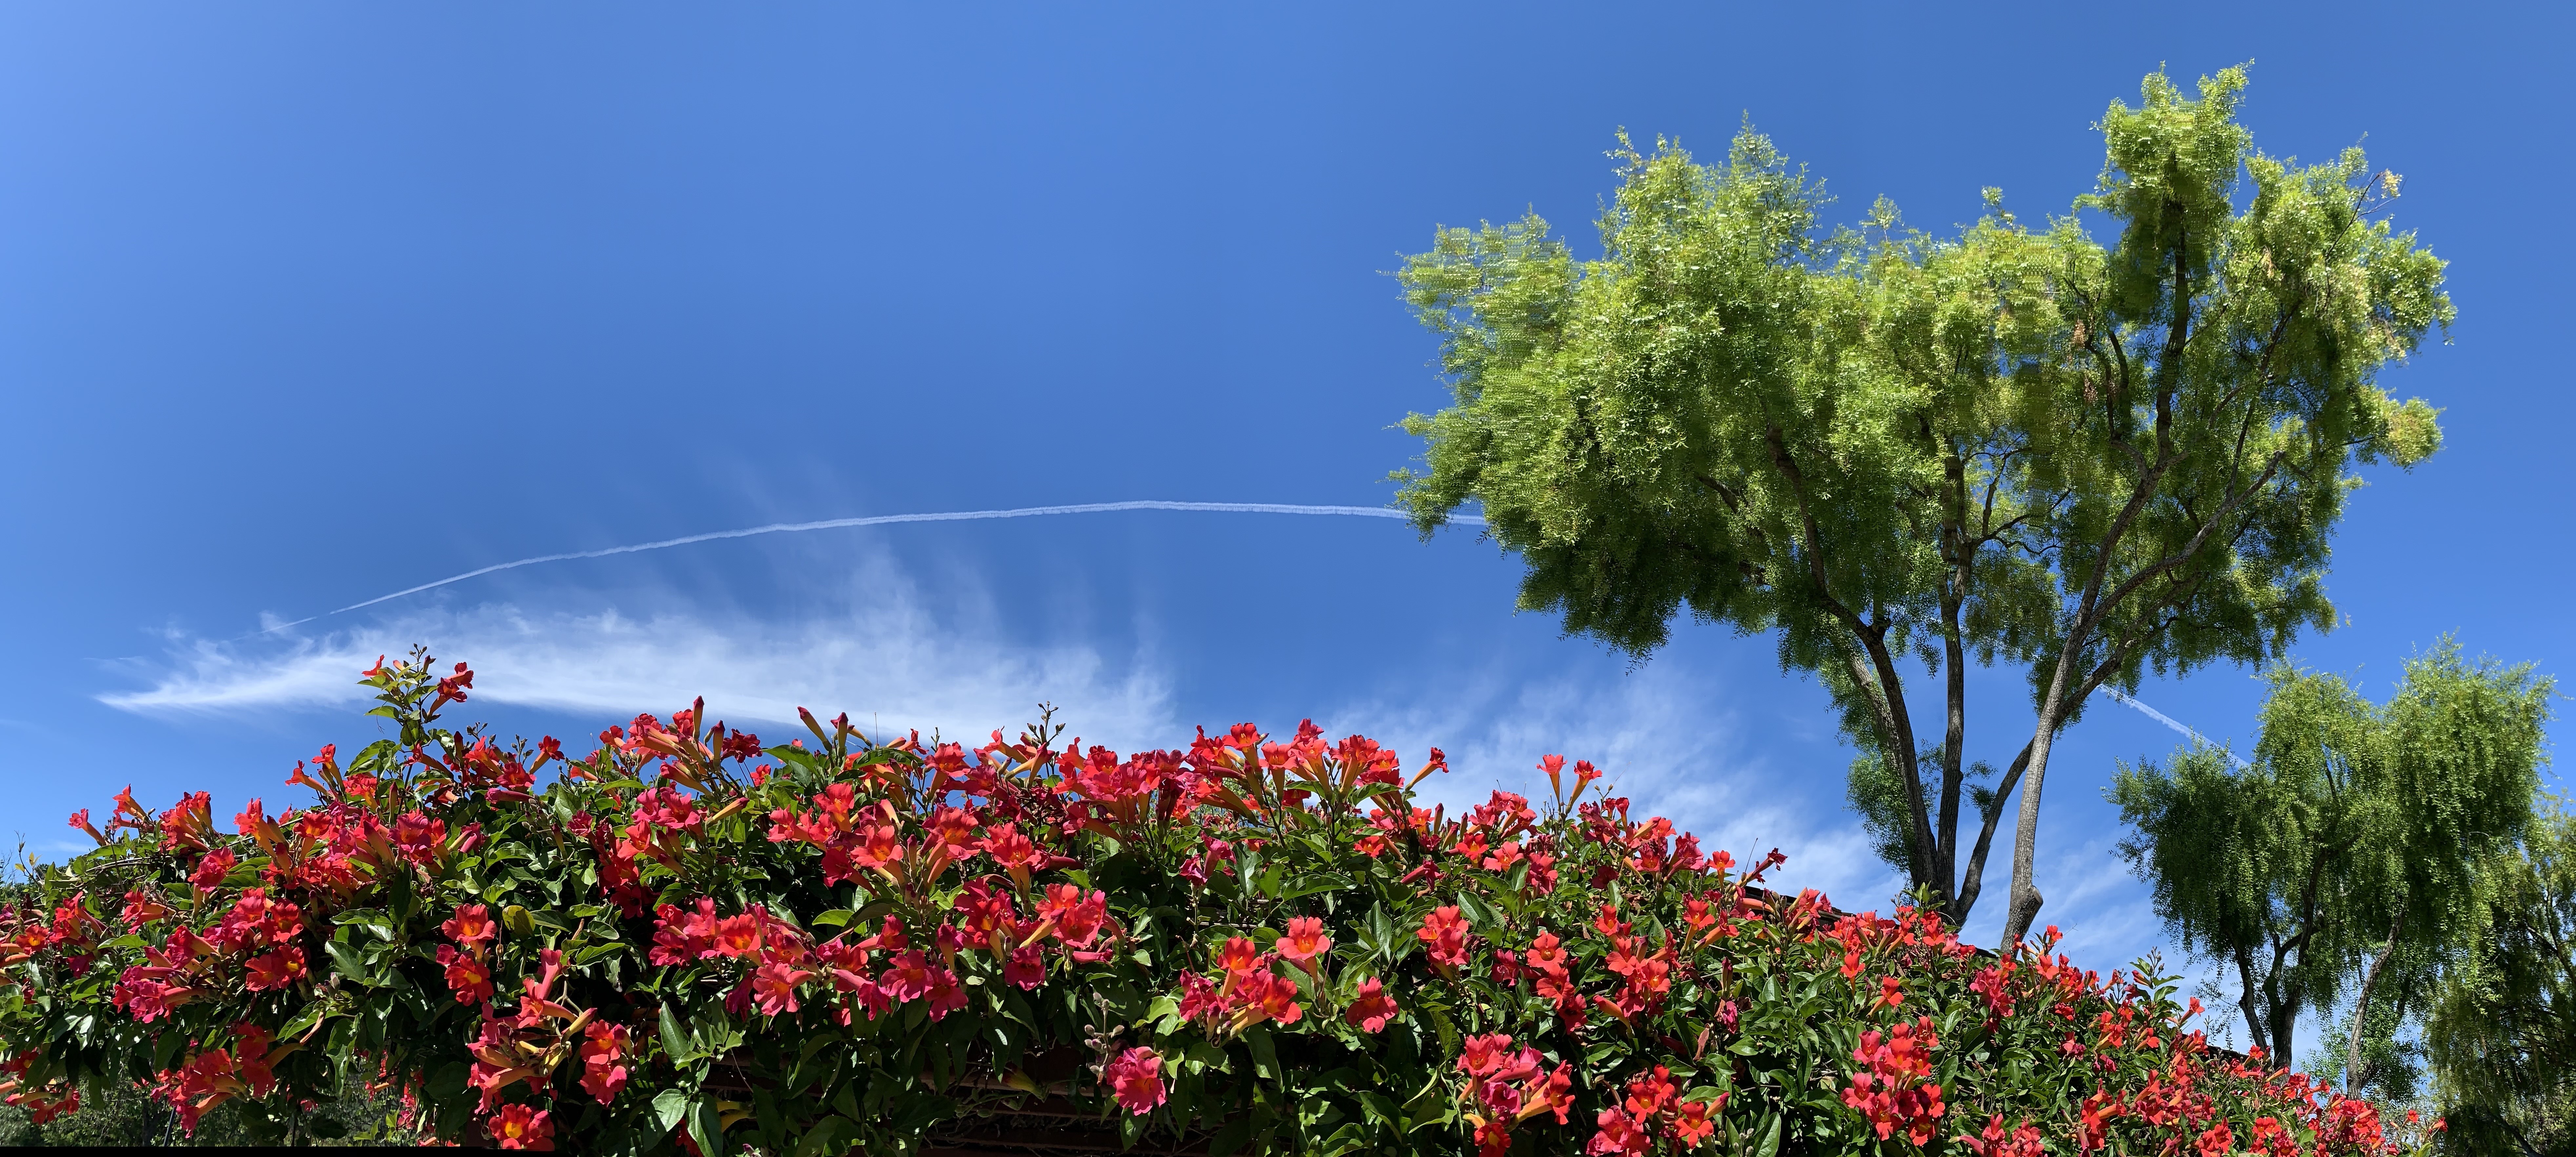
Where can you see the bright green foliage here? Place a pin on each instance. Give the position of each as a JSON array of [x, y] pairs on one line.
[[2348, 852], [2014, 443], [2502, 1032]]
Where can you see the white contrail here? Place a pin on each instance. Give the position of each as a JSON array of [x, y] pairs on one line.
[[887, 519], [1025, 512], [2171, 722]]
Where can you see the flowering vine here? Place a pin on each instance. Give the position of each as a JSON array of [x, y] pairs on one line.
[[690, 939]]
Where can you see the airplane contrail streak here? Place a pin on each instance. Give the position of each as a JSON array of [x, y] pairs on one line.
[[1016, 512], [887, 520], [2171, 722]]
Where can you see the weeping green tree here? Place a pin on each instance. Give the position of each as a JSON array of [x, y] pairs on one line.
[[2345, 860], [1897, 451], [2501, 1036]]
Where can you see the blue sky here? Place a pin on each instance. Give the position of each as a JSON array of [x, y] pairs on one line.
[[300, 305]]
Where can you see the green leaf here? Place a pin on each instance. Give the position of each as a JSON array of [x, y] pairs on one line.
[[835, 918], [1429, 1108], [313, 1014], [707, 1125], [1346, 1139], [344, 1037], [1447, 1028], [1770, 1146], [346, 961], [675, 1042], [670, 1105], [1265, 1055], [1247, 863], [827, 1137]]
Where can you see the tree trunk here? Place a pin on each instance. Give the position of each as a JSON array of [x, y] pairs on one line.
[[2353, 1072], [1897, 732], [2024, 901], [1973, 883], [1960, 554], [1954, 741], [2249, 999]]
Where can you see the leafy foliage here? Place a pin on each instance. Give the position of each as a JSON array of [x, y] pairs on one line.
[[2502, 1031], [2015, 445], [2352, 845], [693, 940]]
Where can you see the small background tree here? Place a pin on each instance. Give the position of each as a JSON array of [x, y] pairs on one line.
[[2344, 860], [2501, 1036]]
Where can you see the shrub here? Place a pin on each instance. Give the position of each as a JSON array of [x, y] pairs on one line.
[[690, 939]]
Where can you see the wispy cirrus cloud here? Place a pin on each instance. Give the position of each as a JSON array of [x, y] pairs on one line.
[[877, 653]]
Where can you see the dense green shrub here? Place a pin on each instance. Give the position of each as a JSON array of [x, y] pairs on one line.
[[693, 939]]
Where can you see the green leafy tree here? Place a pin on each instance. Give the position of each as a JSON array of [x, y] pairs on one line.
[[2501, 1037], [2381, 1049], [2016, 444], [2344, 860]]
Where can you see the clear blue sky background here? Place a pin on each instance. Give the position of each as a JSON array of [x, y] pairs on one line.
[[304, 304]]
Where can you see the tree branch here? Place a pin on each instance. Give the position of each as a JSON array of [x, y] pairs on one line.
[[1897, 726], [2354, 1074]]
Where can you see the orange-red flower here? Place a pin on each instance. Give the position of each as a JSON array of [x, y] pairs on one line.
[[1372, 1008], [773, 988], [519, 1127], [1304, 942], [470, 979], [1444, 935], [739, 936], [274, 970], [472, 927], [1136, 1078], [603, 1071]]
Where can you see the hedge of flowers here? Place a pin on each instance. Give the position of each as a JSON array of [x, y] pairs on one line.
[[692, 940]]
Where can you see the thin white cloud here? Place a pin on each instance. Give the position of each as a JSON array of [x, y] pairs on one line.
[[881, 656]]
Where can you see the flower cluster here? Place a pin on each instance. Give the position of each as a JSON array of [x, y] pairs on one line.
[[1508, 1085], [1652, 1109], [692, 940], [1893, 1090]]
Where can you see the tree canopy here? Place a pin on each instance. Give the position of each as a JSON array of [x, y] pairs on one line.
[[2501, 1033], [1887, 447], [2353, 841]]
